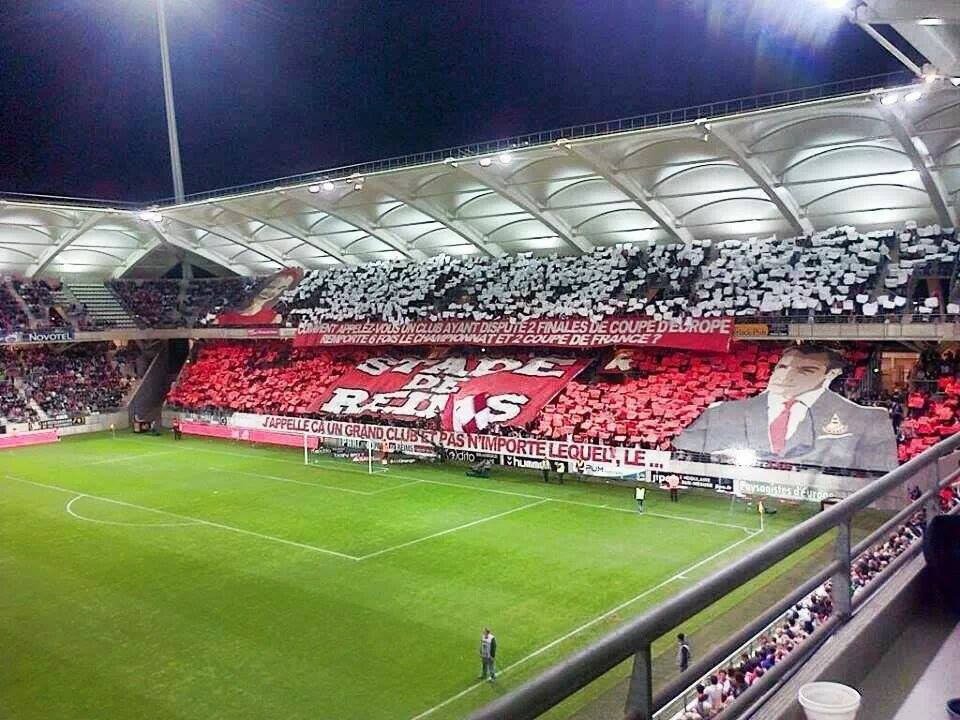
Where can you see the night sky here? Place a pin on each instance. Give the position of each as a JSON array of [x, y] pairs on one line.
[[267, 88]]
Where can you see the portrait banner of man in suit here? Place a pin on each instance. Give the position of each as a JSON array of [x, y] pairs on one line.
[[798, 419]]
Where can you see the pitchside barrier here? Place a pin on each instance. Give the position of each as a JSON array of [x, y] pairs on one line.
[[932, 469], [581, 460]]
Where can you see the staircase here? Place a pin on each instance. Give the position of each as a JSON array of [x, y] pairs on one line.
[[101, 304]]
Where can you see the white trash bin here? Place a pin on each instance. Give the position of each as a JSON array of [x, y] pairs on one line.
[[829, 701]]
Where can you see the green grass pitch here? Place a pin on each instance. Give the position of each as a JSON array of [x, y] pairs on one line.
[[145, 578]]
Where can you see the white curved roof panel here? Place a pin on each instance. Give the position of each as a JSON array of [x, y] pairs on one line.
[[757, 166]]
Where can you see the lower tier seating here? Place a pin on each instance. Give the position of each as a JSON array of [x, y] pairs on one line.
[[63, 380]]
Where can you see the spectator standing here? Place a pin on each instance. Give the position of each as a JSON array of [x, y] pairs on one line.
[[545, 467], [673, 484], [683, 652], [640, 493], [488, 655]]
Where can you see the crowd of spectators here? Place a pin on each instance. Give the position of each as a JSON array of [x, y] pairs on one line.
[[837, 272], [12, 316], [67, 380], [721, 688], [38, 296], [169, 303]]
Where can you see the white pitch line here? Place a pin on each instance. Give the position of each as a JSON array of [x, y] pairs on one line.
[[336, 466], [78, 516], [292, 480], [395, 487], [590, 623], [450, 530], [200, 521], [124, 458]]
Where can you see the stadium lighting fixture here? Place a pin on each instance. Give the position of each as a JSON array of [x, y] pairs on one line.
[[505, 158], [913, 96], [931, 21], [955, 81], [358, 185], [314, 189], [485, 162], [890, 99], [150, 216], [327, 186]]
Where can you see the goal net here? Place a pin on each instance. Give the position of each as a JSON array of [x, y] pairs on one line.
[[376, 455]]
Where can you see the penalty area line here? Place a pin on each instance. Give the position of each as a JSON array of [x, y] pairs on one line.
[[590, 623]]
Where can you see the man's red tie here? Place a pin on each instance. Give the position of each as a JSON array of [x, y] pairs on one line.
[[778, 428]]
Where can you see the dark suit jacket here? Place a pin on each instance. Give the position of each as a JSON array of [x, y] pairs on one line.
[[860, 438]]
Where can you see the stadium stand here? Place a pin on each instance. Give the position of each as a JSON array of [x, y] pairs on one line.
[[12, 315], [40, 303], [721, 688], [40, 382], [181, 303], [838, 272], [268, 376]]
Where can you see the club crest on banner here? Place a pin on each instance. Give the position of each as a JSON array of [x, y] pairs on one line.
[[466, 414]]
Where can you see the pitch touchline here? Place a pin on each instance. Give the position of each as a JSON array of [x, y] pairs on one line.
[[588, 624], [200, 521], [124, 458]]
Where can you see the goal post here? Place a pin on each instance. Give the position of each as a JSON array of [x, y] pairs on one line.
[[375, 454]]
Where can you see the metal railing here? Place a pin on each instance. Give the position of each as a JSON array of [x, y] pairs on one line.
[[634, 639]]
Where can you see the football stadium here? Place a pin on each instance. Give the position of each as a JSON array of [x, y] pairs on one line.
[[653, 418]]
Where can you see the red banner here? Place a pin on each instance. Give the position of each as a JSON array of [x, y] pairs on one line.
[[706, 334], [515, 388], [261, 308]]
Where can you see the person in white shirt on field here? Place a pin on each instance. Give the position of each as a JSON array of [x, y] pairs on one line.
[[640, 493]]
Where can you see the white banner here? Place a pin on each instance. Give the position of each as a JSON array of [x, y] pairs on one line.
[[619, 463]]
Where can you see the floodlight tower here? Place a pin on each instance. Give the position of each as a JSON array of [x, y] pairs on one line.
[[168, 102]]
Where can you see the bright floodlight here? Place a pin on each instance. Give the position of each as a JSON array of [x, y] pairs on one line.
[[485, 162], [314, 188], [913, 96], [505, 158], [890, 99], [744, 457], [955, 81], [150, 216], [931, 21], [328, 186], [358, 186]]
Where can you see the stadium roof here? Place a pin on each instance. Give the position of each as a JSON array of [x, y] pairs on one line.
[[872, 153]]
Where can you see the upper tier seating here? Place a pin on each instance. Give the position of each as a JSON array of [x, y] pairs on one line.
[[838, 272], [182, 303], [153, 303], [12, 316], [38, 296]]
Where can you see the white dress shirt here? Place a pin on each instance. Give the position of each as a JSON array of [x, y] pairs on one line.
[[798, 411]]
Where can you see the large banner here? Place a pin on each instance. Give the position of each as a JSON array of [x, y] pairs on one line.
[[558, 450], [798, 420], [627, 464], [705, 334], [260, 310], [514, 389]]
